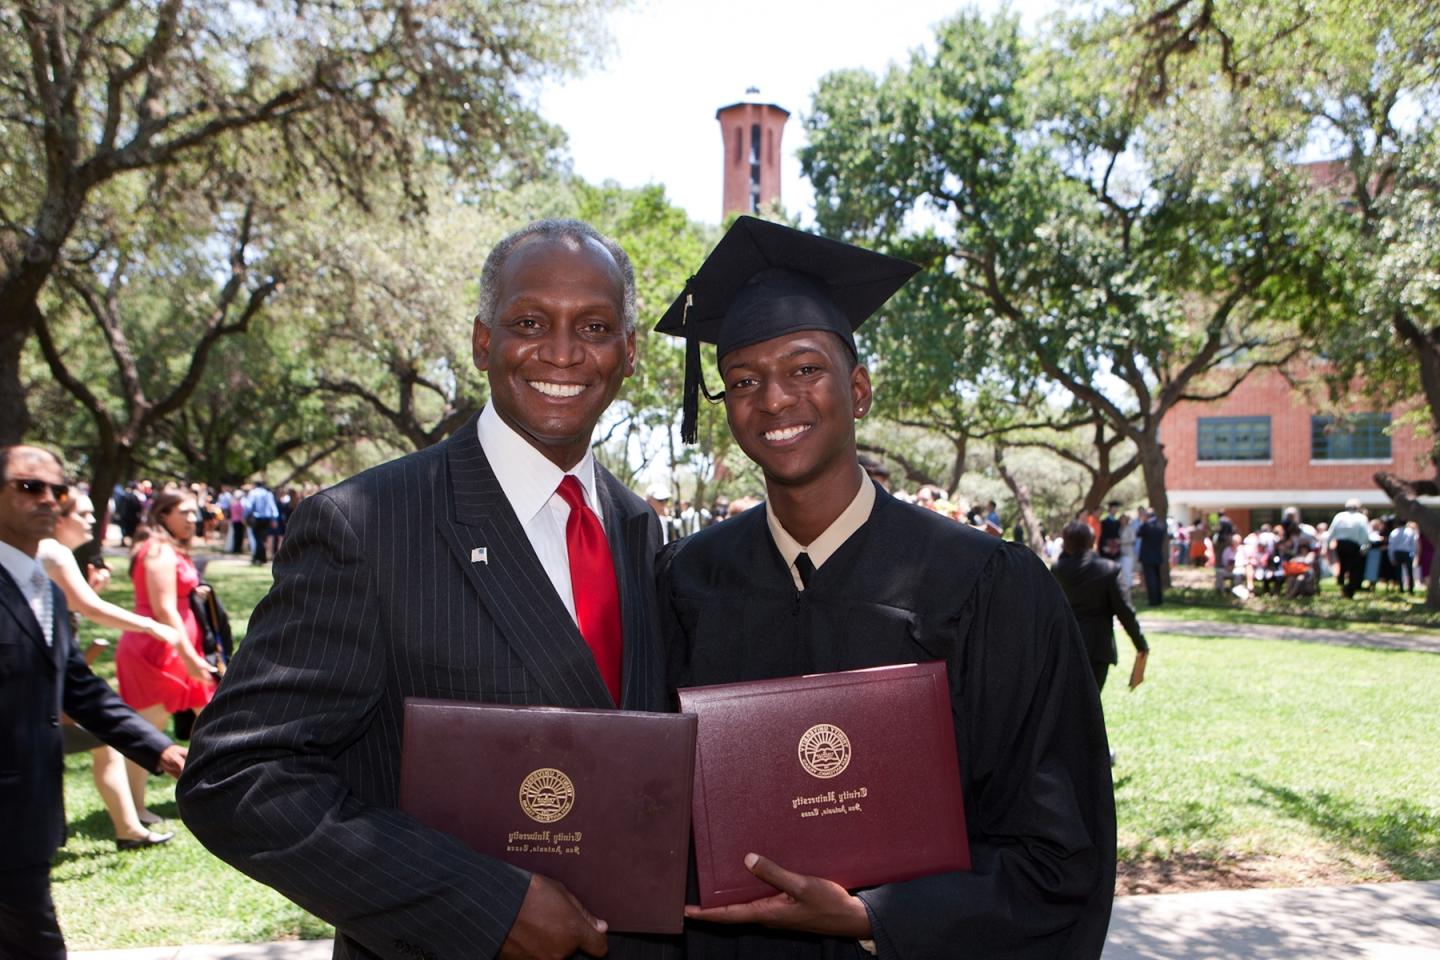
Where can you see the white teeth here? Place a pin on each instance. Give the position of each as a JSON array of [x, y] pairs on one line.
[[786, 434], [557, 389]]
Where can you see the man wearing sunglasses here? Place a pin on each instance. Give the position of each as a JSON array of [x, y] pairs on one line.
[[43, 672]]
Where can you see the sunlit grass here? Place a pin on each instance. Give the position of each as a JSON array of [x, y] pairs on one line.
[[1276, 748], [177, 893]]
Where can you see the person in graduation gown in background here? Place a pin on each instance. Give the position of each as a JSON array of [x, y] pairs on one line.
[[833, 573]]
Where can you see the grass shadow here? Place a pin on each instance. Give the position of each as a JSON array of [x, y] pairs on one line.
[[1176, 826], [1327, 607], [1402, 833]]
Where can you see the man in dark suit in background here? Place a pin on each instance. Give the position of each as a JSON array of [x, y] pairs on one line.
[[1110, 530], [43, 672], [1152, 536], [1092, 585], [127, 513], [446, 573]]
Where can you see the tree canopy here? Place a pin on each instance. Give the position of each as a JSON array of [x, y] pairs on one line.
[[1074, 237], [254, 100]]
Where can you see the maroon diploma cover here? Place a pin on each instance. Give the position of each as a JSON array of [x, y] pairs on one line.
[[849, 776], [597, 799]]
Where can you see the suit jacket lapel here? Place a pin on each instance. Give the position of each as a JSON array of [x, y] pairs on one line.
[[19, 609], [511, 582]]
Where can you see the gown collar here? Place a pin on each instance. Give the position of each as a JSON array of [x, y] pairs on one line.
[[851, 519]]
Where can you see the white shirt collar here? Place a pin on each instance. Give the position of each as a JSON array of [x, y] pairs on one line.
[[852, 518], [21, 568], [527, 478]]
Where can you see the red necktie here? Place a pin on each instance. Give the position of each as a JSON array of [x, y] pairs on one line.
[[592, 581]]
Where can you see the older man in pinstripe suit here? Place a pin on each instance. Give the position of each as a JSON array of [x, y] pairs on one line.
[[442, 574]]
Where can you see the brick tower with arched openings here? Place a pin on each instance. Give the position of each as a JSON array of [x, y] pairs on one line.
[[751, 130]]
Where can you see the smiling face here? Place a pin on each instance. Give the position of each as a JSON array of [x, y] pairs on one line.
[[792, 403], [558, 350]]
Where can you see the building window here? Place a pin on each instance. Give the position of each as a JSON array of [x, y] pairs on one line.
[[755, 168], [1233, 438], [1360, 436]]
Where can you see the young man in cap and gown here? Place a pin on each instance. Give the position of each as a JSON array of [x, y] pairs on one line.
[[832, 573]]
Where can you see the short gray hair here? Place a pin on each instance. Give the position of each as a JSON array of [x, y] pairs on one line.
[[570, 232]]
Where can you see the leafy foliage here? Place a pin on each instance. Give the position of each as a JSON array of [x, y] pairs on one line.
[[1364, 87], [255, 101], [1071, 239]]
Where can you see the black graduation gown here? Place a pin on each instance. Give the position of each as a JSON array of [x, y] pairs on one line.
[[908, 586]]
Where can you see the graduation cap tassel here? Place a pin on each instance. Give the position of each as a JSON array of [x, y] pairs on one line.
[[690, 399], [690, 407]]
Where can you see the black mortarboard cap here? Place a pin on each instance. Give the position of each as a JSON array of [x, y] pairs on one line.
[[765, 280]]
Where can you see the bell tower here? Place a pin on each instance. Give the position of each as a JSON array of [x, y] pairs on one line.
[[750, 132]]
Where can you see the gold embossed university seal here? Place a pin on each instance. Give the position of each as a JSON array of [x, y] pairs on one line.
[[546, 795], [824, 751]]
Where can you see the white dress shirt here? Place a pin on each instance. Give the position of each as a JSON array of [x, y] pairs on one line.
[[34, 587], [529, 482]]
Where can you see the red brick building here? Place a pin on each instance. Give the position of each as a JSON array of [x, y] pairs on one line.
[[750, 131], [1269, 445]]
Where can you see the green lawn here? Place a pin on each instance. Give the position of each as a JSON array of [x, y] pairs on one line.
[[1231, 749], [1248, 748], [177, 893]]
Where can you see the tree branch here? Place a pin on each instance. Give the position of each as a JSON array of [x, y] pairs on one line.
[[104, 423]]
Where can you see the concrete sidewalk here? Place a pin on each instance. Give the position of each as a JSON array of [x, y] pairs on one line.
[[1393, 921], [1424, 642], [1383, 921], [280, 950]]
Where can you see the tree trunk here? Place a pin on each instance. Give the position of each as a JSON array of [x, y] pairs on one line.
[[1432, 585], [957, 470], [14, 416], [108, 466], [1102, 478], [18, 316], [1022, 500], [1405, 495], [1152, 467]]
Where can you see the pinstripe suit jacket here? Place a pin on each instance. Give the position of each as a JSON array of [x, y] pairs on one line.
[[294, 768]]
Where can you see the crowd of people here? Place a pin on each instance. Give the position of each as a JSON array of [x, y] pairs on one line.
[[1290, 557], [1296, 558], [242, 518], [680, 517]]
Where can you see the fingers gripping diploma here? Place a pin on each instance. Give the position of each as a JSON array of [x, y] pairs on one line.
[[553, 925], [809, 904]]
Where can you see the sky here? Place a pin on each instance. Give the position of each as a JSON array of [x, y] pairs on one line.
[[647, 114]]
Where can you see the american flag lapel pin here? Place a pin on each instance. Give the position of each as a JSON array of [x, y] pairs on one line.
[[478, 555]]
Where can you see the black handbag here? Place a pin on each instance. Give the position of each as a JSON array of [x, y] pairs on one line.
[[216, 641]]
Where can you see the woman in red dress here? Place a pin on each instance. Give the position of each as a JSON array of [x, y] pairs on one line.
[[156, 678]]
